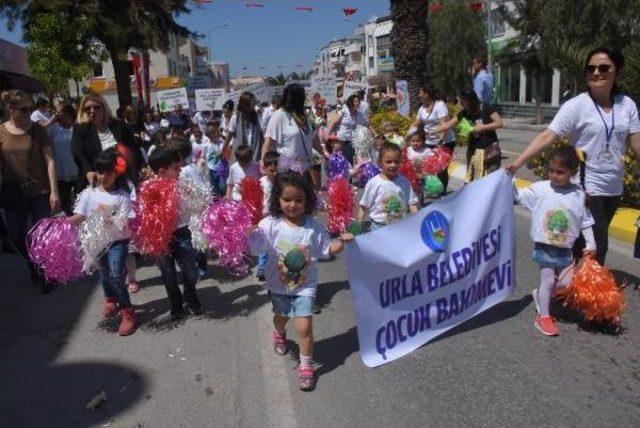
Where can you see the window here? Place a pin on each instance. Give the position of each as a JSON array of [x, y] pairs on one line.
[[371, 64], [497, 23], [97, 70]]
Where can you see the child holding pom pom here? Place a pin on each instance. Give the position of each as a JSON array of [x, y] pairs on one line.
[[389, 195], [166, 163], [244, 166], [559, 215], [112, 197], [270, 163], [295, 241]]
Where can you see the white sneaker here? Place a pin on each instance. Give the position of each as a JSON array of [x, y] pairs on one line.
[[534, 294]]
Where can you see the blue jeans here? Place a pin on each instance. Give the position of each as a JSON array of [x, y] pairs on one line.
[[262, 262], [181, 251], [111, 267], [218, 184], [18, 215]]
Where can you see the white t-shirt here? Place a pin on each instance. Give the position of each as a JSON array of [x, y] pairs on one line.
[[431, 119], [199, 149], [291, 142], [37, 116], [348, 123], [287, 272], [117, 204], [196, 173], [66, 168], [224, 126], [266, 116], [201, 120], [107, 140], [233, 128], [388, 200], [237, 173], [417, 156], [579, 120], [266, 184], [557, 214]]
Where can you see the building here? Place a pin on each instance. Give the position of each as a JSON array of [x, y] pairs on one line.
[[331, 61], [14, 70], [220, 75]]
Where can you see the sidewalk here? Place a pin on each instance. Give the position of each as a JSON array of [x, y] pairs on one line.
[[523, 124], [622, 226]]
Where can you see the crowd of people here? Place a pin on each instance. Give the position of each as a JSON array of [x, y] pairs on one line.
[[72, 163]]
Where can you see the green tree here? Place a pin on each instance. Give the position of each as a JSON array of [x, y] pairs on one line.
[[62, 48], [409, 38], [456, 36], [279, 80]]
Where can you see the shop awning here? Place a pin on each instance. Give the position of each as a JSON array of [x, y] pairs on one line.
[[353, 47], [9, 80], [383, 29]]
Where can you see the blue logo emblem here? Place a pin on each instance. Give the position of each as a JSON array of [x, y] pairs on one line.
[[435, 231]]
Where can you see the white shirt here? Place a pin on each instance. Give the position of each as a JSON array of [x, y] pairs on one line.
[[199, 149], [116, 204], [364, 108], [198, 174], [37, 116], [66, 168], [107, 140], [417, 156], [237, 173], [266, 115], [224, 126], [266, 184], [557, 214], [578, 119], [291, 142], [201, 120], [233, 127], [349, 122], [291, 275], [431, 119], [388, 200]]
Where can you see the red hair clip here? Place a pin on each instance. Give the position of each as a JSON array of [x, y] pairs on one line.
[[121, 165]]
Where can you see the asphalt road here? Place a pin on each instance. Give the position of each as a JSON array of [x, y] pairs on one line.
[[219, 370]]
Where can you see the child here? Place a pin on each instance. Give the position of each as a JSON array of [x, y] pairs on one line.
[[391, 134], [166, 163], [111, 196], [388, 195], [378, 142], [214, 153], [244, 166], [199, 146], [559, 214], [270, 163], [417, 152], [295, 241]]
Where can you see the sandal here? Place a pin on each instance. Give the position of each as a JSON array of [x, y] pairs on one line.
[[280, 342], [307, 378]]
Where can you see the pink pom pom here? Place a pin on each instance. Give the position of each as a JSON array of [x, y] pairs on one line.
[[437, 162], [251, 192], [157, 215], [226, 225], [340, 205], [53, 246]]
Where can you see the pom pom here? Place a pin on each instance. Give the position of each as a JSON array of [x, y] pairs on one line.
[[362, 141], [97, 233], [194, 196], [198, 239], [340, 205], [287, 164], [158, 209], [432, 185], [251, 192], [355, 228], [338, 167], [53, 246], [437, 162], [226, 225], [396, 139], [366, 172], [593, 292], [221, 169], [407, 168], [465, 128]]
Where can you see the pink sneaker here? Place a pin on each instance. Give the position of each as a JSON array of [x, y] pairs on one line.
[[546, 325], [307, 378], [280, 342], [133, 287]]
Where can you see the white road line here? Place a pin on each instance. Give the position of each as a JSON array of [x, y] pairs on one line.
[[277, 392]]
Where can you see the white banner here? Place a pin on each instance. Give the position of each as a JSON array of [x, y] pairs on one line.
[[418, 278], [167, 100], [234, 96], [354, 87], [327, 88], [402, 97], [210, 99]]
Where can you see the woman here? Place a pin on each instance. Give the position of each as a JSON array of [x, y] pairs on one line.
[[66, 168], [483, 149], [227, 114], [29, 183], [290, 132], [598, 122], [433, 116], [346, 122], [151, 126], [244, 126], [97, 130]]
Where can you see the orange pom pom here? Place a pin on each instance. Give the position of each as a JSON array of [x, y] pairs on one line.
[[593, 292]]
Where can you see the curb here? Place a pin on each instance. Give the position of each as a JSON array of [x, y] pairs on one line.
[[622, 226]]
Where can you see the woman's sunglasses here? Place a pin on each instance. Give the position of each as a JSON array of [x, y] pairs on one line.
[[602, 68]]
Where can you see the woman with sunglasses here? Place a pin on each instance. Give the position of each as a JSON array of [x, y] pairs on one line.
[[29, 183], [598, 122], [96, 130]]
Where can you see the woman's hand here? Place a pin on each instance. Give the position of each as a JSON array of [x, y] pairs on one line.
[[54, 201], [512, 168]]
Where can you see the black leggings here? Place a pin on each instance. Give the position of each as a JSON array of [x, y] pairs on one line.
[[603, 208]]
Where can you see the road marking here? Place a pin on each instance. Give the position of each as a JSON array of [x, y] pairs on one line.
[[277, 393], [510, 153]]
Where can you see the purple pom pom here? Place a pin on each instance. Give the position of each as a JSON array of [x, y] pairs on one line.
[[338, 167], [366, 172], [54, 247]]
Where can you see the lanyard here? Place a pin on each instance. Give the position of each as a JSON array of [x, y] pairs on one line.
[[608, 131]]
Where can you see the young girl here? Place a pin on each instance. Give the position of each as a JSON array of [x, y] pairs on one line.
[[388, 195], [294, 241], [111, 196], [559, 215]]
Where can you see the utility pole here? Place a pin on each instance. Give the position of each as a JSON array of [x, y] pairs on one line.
[[489, 36]]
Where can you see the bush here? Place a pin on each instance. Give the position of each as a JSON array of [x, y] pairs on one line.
[[401, 122]]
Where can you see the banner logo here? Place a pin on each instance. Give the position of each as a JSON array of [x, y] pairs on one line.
[[435, 231]]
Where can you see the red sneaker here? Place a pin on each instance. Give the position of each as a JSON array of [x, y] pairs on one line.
[[546, 325], [128, 323], [110, 307], [280, 342], [306, 377]]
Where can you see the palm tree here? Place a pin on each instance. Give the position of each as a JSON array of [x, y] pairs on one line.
[[278, 80], [409, 44]]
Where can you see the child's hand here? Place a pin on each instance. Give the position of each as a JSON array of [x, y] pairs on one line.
[[346, 237]]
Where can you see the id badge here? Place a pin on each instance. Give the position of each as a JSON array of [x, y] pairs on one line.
[[605, 157]]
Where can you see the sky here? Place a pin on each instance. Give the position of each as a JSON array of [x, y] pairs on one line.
[[271, 39]]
